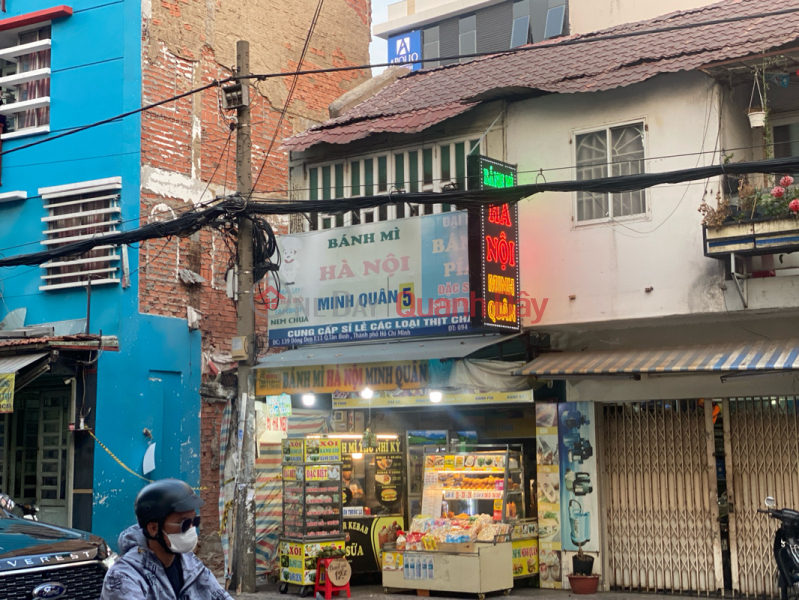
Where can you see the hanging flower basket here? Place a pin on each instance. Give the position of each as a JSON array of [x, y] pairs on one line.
[[757, 119]]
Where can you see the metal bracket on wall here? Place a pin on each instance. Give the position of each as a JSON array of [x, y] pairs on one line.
[[740, 280]]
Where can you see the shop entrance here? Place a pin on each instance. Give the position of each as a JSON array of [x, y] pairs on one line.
[[661, 512], [36, 453]]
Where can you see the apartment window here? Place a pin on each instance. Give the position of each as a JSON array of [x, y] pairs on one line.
[[467, 36], [77, 212], [555, 18], [786, 140], [520, 34], [25, 80], [431, 168], [610, 152], [431, 48], [327, 182]]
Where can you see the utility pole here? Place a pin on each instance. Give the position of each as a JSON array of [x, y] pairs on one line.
[[243, 559]]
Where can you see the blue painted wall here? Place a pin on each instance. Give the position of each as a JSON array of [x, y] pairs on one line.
[[154, 380]]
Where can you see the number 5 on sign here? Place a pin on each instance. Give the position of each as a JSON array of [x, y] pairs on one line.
[[406, 295]]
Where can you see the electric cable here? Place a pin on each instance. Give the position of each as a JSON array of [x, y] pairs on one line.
[[226, 211], [563, 42], [290, 94]]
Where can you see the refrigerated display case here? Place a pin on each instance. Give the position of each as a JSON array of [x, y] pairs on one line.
[[487, 480]]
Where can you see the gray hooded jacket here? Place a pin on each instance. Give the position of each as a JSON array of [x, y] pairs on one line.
[[139, 575]]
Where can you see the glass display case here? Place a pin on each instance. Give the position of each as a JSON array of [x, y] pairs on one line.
[[487, 480], [312, 501]]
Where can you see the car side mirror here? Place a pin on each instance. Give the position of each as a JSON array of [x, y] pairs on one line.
[[770, 502]]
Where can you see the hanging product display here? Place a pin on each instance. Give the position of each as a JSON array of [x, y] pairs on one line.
[[312, 518]]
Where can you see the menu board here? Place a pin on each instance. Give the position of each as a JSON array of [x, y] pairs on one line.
[[322, 472], [432, 494], [388, 479], [293, 450], [480, 462], [323, 450]]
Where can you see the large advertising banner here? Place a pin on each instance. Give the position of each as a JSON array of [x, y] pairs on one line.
[[578, 477], [386, 280], [549, 522]]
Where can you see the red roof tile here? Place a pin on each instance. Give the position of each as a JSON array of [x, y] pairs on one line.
[[565, 67]]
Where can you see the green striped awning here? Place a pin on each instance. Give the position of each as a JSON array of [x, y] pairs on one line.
[[764, 356]]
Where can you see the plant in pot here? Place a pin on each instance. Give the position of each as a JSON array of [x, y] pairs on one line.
[[757, 111], [581, 580]]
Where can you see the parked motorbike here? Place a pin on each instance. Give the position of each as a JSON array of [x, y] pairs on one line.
[[786, 548], [29, 511]]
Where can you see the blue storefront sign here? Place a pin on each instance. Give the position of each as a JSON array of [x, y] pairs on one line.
[[404, 48]]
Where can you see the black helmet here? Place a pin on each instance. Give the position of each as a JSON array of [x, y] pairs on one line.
[[157, 500]]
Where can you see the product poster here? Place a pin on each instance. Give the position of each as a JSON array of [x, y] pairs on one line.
[[578, 477], [389, 486], [298, 560], [549, 485], [525, 557], [367, 536], [7, 392]]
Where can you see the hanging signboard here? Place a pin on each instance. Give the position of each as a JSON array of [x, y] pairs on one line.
[[494, 269], [7, 382], [321, 379], [447, 399], [409, 277]]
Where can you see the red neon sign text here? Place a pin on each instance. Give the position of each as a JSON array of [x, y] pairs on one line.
[[499, 215], [499, 250]]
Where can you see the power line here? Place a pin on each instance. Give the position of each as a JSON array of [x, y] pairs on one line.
[[228, 210], [558, 44], [305, 47]]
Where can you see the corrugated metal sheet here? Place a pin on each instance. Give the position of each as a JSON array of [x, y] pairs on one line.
[[12, 364], [585, 67], [757, 356]]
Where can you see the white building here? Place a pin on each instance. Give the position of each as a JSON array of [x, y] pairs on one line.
[[644, 322]]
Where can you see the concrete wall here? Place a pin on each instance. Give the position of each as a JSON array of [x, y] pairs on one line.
[[592, 15], [607, 267]]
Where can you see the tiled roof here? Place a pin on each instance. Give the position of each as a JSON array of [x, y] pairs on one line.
[[88, 341], [407, 122], [568, 67]]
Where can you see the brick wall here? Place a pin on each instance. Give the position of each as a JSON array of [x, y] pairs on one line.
[[188, 152]]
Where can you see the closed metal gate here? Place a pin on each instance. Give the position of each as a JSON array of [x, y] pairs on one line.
[[761, 440], [660, 498]]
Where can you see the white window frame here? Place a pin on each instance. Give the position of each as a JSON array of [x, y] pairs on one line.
[[644, 216], [106, 267], [390, 156], [9, 54]]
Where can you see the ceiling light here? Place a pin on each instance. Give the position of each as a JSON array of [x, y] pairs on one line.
[[308, 399], [436, 397], [357, 455], [367, 393]]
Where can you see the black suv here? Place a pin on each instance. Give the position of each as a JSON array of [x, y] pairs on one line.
[[44, 561]]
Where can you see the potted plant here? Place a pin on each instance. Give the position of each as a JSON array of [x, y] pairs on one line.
[[757, 117], [582, 580], [765, 221]]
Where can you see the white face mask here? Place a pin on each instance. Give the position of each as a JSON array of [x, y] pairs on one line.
[[182, 543]]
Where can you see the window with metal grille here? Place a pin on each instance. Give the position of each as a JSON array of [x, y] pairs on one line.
[[25, 81], [429, 168], [77, 212], [609, 153]]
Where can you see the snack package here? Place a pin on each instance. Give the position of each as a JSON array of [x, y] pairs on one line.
[[429, 542], [400, 542]]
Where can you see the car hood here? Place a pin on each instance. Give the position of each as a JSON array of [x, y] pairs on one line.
[[27, 544]]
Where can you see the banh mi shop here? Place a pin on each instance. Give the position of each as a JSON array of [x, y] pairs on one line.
[[436, 434], [423, 447]]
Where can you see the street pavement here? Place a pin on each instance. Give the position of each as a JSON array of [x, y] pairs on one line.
[[375, 592]]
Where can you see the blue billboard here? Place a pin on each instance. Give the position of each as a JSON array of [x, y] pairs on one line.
[[404, 48]]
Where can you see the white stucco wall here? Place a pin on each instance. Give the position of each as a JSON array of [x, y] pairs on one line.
[[591, 15], [607, 267]]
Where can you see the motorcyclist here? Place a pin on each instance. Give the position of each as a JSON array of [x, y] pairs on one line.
[[158, 562]]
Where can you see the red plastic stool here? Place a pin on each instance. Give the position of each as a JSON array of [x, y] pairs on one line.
[[327, 586]]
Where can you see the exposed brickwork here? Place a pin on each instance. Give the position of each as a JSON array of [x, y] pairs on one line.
[[186, 146]]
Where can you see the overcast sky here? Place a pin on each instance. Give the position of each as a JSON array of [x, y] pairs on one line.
[[378, 51]]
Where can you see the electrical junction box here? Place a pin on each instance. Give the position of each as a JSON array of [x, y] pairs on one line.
[[238, 348]]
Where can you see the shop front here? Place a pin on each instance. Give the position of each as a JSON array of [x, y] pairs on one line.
[[689, 441], [46, 399], [380, 419]]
